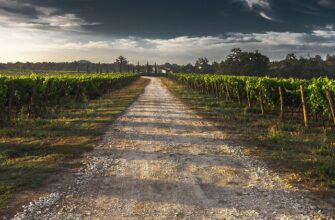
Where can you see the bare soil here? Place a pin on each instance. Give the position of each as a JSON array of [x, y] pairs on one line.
[[161, 160]]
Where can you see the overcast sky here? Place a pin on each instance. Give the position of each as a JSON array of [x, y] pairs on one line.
[[176, 31]]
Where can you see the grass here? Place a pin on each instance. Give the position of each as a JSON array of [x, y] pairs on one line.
[[303, 157], [32, 150]]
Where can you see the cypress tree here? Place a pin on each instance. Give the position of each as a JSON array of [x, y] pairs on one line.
[[147, 67]]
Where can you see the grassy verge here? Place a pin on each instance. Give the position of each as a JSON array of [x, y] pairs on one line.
[[302, 156], [31, 150]]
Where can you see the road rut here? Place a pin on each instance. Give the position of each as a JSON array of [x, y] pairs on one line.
[[160, 160]]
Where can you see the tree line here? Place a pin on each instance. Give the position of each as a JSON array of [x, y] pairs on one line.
[[238, 62], [245, 63], [120, 65]]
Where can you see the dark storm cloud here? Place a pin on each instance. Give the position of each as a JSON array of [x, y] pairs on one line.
[[34, 15], [327, 3], [18, 8], [261, 7], [171, 18], [171, 30]]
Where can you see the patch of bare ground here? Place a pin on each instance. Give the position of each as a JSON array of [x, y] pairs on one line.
[[161, 160]]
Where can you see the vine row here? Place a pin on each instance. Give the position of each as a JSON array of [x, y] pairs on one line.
[[34, 93], [314, 96]]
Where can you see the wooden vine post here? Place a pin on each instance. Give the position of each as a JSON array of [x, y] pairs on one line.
[[304, 106], [217, 90], [10, 99], [33, 98], [238, 96], [330, 98], [248, 98], [47, 92], [78, 96], [227, 93], [261, 101], [281, 97]]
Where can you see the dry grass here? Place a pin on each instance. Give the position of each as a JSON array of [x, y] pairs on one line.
[[305, 157], [32, 150]]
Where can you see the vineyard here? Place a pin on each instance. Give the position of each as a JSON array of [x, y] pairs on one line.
[[34, 94], [289, 97]]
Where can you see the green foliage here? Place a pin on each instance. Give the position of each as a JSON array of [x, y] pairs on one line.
[[241, 62], [286, 146], [236, 87], [202, 65], [32, 149], [36, 92]]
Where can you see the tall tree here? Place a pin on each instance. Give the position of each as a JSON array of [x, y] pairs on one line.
[[203, 66], [148, 67], [121, 61], [138, 67], [245, 63]]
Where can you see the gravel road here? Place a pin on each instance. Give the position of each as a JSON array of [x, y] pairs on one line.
[[162, 161]]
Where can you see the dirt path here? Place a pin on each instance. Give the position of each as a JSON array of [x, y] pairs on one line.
[[162, 161]]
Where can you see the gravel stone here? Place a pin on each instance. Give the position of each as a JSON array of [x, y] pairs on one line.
[[160, 160]]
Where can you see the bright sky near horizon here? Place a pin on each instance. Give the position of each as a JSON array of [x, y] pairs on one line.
[[177, 31]]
